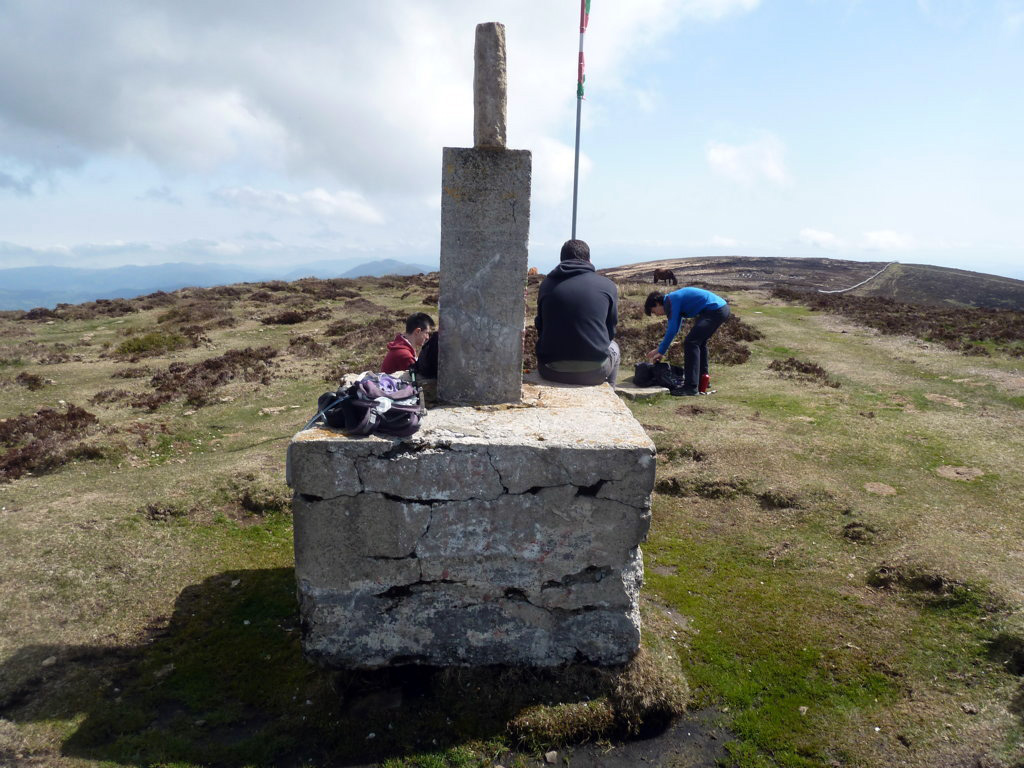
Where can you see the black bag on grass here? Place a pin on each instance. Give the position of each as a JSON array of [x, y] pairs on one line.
[[658, 375]]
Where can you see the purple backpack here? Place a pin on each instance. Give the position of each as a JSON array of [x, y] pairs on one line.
[[376, 404]]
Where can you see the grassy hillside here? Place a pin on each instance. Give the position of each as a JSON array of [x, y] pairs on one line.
[[834, 564], [909, 283]]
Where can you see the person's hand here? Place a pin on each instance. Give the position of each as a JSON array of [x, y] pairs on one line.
[[654, 356]]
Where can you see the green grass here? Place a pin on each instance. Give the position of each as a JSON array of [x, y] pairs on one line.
[[759, 649], [152, 343]]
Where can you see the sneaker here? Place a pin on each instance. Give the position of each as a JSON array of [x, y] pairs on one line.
[[683, 392]]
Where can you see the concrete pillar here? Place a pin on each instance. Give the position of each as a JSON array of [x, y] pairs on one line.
[[485, 226], [490, 86]]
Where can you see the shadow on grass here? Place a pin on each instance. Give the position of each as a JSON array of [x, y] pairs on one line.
[[224, 683]]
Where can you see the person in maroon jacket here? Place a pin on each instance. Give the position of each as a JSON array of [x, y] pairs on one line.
[[402, 351]]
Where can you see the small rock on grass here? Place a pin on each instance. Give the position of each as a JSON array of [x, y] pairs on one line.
[[551, 757]]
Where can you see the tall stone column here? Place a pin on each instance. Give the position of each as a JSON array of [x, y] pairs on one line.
[[485, 227]]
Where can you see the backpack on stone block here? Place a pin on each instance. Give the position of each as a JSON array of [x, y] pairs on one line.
[[376, 404]]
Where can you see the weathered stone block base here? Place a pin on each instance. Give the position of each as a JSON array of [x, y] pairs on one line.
[[497, 536]]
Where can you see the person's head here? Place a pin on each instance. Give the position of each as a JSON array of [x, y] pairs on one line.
[[655, 303], [575, 250], [418, 327]]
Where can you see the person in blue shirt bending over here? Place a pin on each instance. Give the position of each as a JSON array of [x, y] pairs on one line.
[[708, 310]]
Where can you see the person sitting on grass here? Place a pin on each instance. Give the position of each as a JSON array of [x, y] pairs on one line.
[[401, 354], [709, 312]]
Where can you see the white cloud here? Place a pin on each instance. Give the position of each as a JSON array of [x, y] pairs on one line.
[[360, 94], [887, 240], [820, 239], [724, 242], [552, 170], [749, 163], [161, 194], [318, 202], [1013, 15]]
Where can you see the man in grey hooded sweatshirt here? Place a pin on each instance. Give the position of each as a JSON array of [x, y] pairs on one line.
[[577, 311]]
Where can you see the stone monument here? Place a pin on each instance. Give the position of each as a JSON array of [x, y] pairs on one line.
[[485, 225], [497, 534]]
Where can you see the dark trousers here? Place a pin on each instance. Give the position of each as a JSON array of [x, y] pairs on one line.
[[695, 345]]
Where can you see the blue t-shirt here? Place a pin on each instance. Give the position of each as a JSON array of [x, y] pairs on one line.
[[686, 302]]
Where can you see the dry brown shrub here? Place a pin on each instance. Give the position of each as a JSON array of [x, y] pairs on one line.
[[343, 326], [530, 349], [44, 440], [227, 291], [58, 358], [364, 305], [93, 309], [369, 338], [965, 329], [151, 402], [637, 339], [294, 316], [800, 370], [305, 346], [198, 313], [140, 372], [30, 381], [331, 288], [105, 396], [39, 314], [196, 334], [196, 383], [154, 300], [276, 286], [631, 311]]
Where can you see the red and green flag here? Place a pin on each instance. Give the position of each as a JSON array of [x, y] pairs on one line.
[[584, 20]]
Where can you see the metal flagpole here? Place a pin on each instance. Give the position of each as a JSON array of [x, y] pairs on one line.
[[584, 19]]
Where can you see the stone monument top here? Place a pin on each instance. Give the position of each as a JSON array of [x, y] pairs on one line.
[[485, 226], [490, 86]]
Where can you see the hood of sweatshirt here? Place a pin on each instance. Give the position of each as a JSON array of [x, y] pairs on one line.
[[570, 268]]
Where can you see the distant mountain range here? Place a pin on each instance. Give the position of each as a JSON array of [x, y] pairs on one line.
[[29, 287]]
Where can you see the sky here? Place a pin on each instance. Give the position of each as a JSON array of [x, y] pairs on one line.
[[272, 134]]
